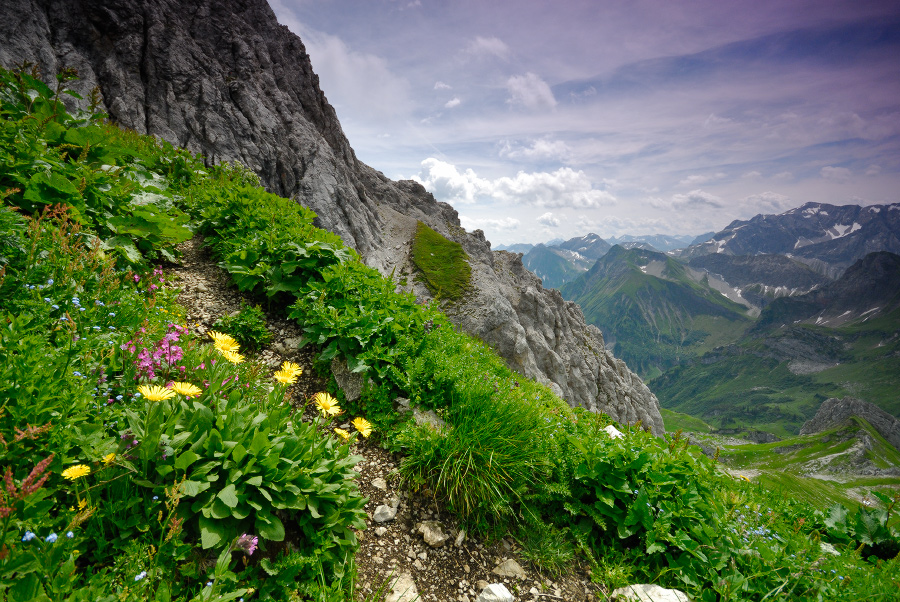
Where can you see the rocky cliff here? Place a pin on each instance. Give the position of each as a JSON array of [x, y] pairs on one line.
[[223, 78], [834, 412]]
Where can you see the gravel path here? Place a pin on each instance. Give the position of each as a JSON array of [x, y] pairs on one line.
[[457, 570]]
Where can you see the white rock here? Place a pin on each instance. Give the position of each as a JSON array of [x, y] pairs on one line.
[[384, 513], [379, 483], [495, 592], [827, 548], [403, 589], [648, 592], [379, 531], [613, 432], [433, 533], [509, 568], [460, 537]]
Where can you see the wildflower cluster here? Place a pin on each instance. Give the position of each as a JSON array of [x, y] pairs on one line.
[[163, 356]]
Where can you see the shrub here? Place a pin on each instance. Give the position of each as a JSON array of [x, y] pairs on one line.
[[247, 326]]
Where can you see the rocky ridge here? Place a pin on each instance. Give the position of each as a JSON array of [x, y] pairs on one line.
[[226, 80], [834, 412]]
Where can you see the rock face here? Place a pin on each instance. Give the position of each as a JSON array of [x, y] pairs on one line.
[[834, 411], [223, 78]]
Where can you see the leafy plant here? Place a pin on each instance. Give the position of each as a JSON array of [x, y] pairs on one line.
[[247, 326]]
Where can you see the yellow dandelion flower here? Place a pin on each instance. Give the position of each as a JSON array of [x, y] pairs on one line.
[[186, 389], [109, 459], [292, 367], [342, 434], [224, 342], [232, 356], [285, 377], [82, 504], [76, 472], [363, 426], [327, 404], [155, 392]]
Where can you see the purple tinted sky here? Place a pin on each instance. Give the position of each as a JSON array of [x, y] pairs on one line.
[[538, 120]]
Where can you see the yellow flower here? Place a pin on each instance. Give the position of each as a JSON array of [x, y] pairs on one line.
[[342, 434], [232, 356], [186, 389], [109, 458], [155, 392], [224, 342], [327, 404], [76, 472], [286, 377], [292, 367], [363, 426]]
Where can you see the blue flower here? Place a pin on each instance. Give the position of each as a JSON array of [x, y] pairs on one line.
[[140, 575], [54, 306], [47, 300], [209, 584], [76, 301], [95, 327], [112, 314], [76, 373], [112, 327], [70, 535], [51, 538], [28, 536], [50, 281], [99, 302]]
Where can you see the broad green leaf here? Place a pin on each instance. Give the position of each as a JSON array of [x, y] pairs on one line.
[[228, 496]]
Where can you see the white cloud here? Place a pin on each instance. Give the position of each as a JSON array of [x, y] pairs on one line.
[[766, 202], [694, 199], [836, 174], [538, 150], [447, 184], [530, 91], [696, 180], [441, 86], [873, 170], [784, 175], [453, 102], [507, 223], [564, 187], [752, 174], [487, 47], [714, 120], [548, 220], [357, 84]]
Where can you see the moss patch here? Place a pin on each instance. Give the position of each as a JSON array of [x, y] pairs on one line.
[[443, 263]]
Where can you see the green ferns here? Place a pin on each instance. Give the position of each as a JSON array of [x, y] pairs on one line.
[[443, 263]]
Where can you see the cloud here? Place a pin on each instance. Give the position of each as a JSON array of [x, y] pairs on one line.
[[564, 187], [695, 199], [481, 47], [447, 184], [548, 220], [538, 150], [700, 179], [873, 170], [766, 202], [836, 174], [507, 223], [356, 83], [530, 91], [784, 175], [453, 102], [752, 174], [714, 120], [441, 86]]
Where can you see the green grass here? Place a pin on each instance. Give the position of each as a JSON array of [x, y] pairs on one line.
[[674, 421], [443, 263]]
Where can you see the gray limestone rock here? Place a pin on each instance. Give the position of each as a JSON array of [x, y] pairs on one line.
[[433, 533], [403, 589], [223, 78], [495, 592], [648, 592], [384, 513], [509, 568]]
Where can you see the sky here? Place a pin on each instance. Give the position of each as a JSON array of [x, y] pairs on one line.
[[551, 119]]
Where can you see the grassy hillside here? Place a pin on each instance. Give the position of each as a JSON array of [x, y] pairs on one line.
[[651, 311], [143, 462]]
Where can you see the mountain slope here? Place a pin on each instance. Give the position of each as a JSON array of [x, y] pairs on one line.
[[827, 237], [840, 340], [760, 279], [650, 308], [226, 80], [554, 266]]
